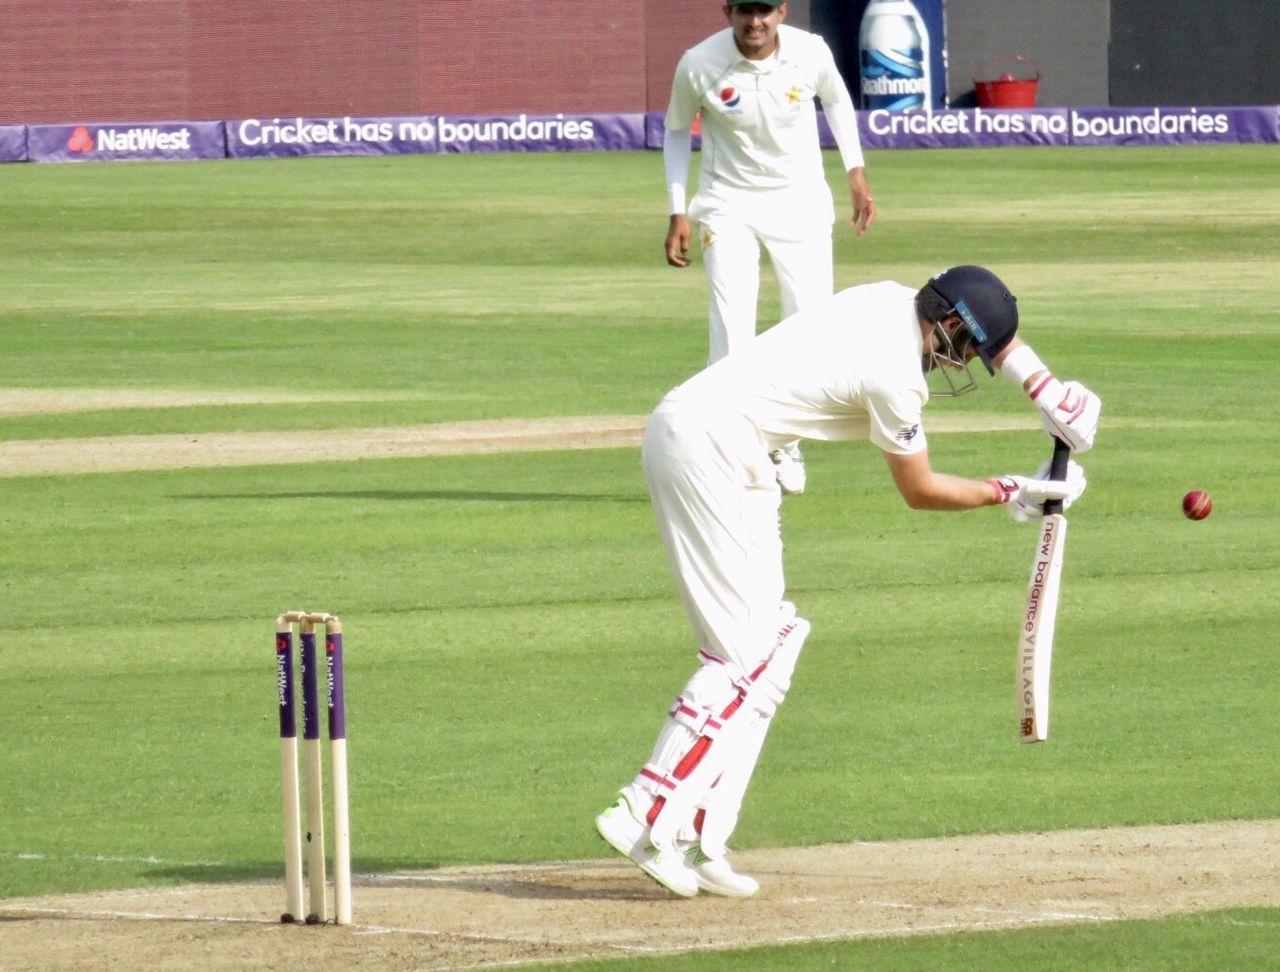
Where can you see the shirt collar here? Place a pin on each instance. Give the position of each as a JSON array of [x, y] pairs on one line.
[[737, 57]]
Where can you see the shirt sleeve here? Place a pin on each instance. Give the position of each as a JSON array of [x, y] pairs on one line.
[[677, 153], [837, 106], [844, 126], [685, 99], [895, 421]]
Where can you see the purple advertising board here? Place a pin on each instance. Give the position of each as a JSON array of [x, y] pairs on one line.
[[543, 133], [964, 128], [251, 138], [257, 138], [1173, 126], [653, 129], [432, 134], [996, 127], [13, 143], [98, 142]]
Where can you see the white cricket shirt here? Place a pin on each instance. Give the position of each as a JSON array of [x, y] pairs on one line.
[[759, 121], [848, 368]]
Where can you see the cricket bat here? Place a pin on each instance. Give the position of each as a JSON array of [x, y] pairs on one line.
[[1035, 635]]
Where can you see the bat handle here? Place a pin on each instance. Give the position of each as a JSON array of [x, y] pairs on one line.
[[1058, 471]]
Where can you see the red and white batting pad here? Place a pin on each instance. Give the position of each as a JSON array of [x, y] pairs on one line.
[[690, 751], [724, 801], [707, 730]]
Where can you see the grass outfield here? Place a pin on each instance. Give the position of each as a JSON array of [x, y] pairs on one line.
[[512, 633], [1240, 939]]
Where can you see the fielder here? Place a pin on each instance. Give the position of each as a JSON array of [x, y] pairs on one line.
[[761, 181], [852, 367]]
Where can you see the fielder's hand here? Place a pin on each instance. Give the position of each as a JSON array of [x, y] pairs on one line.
[[1025, 496], [864, 206], [679, 232], [1070, 411]]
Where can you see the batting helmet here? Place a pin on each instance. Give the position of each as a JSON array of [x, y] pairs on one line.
[[988, 311]]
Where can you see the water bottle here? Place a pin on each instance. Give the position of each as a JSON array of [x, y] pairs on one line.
[[893, 54]]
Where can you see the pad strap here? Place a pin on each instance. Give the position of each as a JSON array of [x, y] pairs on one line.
[[699, 721], [654, 780]]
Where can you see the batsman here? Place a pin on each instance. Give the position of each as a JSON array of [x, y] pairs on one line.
[[860, 365]]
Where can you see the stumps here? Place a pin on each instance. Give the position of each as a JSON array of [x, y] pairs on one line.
[[335, 700]]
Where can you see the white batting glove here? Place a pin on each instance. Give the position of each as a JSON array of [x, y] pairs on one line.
[[1025, 496], [1070, 411]]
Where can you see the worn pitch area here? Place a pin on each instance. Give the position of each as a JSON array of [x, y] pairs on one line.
[[468, 916]]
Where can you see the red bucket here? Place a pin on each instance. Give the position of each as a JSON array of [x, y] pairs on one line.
[[1009, 81]]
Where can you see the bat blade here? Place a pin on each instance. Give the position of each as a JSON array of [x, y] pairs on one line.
[[1040, 614], [1039, 619]]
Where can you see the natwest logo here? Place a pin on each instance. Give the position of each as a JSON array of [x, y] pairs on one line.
[[80, 140], [144, 140], [141, 139]]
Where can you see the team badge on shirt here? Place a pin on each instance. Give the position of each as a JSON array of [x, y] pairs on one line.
[[794, 95]]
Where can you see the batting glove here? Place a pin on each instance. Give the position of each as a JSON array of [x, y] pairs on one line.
[[1070, 411], [1025, 496]]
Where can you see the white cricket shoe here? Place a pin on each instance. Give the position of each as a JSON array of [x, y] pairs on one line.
[[717, 876], [789, 469], [629, 835], [623, 830]]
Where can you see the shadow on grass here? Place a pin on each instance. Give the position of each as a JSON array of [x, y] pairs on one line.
[[233, 872], [431, 494], [582, 881], [228, 872], [576, 881], [639, 888]]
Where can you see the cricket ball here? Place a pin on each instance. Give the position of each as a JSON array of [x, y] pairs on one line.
[[1196, 505]]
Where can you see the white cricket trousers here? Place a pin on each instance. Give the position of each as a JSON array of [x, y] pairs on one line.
[[716, 499], [801, 262]]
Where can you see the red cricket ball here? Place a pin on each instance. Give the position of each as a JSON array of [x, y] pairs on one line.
[[1197, 504]]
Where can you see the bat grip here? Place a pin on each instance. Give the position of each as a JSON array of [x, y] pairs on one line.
[[1057, 471]]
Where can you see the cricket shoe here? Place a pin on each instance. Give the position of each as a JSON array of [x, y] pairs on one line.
[[715, 875], [789, 468], [629, 835]]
